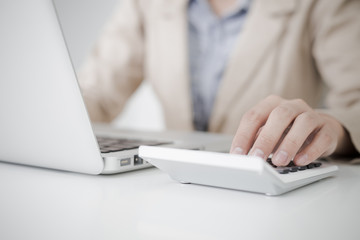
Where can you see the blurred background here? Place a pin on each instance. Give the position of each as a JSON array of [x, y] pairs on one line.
[[82, 22]]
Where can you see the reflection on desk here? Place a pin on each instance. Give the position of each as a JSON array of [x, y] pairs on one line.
[[46, 204]]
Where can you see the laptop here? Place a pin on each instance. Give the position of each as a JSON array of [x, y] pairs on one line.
[[44, 121]]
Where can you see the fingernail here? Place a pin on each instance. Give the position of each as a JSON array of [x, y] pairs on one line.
[[237, 150], [258, 153], [302, 160], [281, 158]]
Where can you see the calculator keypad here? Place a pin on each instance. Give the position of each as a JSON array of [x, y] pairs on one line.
[[291, 167]]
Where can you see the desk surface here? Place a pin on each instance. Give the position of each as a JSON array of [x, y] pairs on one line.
[[46, 204]]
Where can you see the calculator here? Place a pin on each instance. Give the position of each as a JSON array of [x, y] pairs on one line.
[[233, 171]]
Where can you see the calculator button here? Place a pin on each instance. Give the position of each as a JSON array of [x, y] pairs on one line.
[[317, 164], [311, 165], [284, 171]]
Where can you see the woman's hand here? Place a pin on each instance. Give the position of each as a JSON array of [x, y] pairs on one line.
[[289, 129]]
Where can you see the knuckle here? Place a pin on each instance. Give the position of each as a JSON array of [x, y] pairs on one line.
[[308, 117], [283, 111], [253, 116], [266, 140], [241, 138], [299, 102], [327, 138], [292, 144]]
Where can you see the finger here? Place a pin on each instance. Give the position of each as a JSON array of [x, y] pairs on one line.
[[251, 123], [282, 137], [258, 132], [323, 144], [303, 126], [280, 118]]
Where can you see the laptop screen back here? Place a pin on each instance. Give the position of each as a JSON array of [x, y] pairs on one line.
[[43, 117]]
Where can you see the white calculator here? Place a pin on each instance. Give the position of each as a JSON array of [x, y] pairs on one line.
[[232, 171]]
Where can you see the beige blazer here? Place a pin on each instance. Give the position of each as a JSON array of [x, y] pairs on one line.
[[307, 49]]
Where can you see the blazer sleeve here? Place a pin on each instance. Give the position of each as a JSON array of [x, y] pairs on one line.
[[336, 50], [114, 68]]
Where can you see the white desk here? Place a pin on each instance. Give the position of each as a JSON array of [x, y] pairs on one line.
[[147, 204]]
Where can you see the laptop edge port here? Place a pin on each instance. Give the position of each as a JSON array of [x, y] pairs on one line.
[[125, 162], [138, 160]]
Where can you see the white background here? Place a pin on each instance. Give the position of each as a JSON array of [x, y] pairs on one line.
[[82, 22]]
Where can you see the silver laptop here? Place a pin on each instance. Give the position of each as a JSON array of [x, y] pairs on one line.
[[44, 121]]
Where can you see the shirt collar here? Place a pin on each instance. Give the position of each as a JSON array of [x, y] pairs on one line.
[[201, 16], [241, 6]]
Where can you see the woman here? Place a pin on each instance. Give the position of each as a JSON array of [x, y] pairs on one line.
[[258, 68]]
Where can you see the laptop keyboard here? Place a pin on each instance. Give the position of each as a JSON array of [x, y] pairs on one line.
[[108, 144], [291, 167]]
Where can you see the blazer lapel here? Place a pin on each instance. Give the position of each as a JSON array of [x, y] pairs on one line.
[[172, 52], [264, 25]]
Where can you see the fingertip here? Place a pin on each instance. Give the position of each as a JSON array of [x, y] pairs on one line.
[[281, 158], [237, 150], [257, 152], [302, 160]]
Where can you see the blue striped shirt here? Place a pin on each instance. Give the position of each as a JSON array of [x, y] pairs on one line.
[[211, 40]]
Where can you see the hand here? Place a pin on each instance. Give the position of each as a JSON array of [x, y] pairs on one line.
[[289, 129]]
